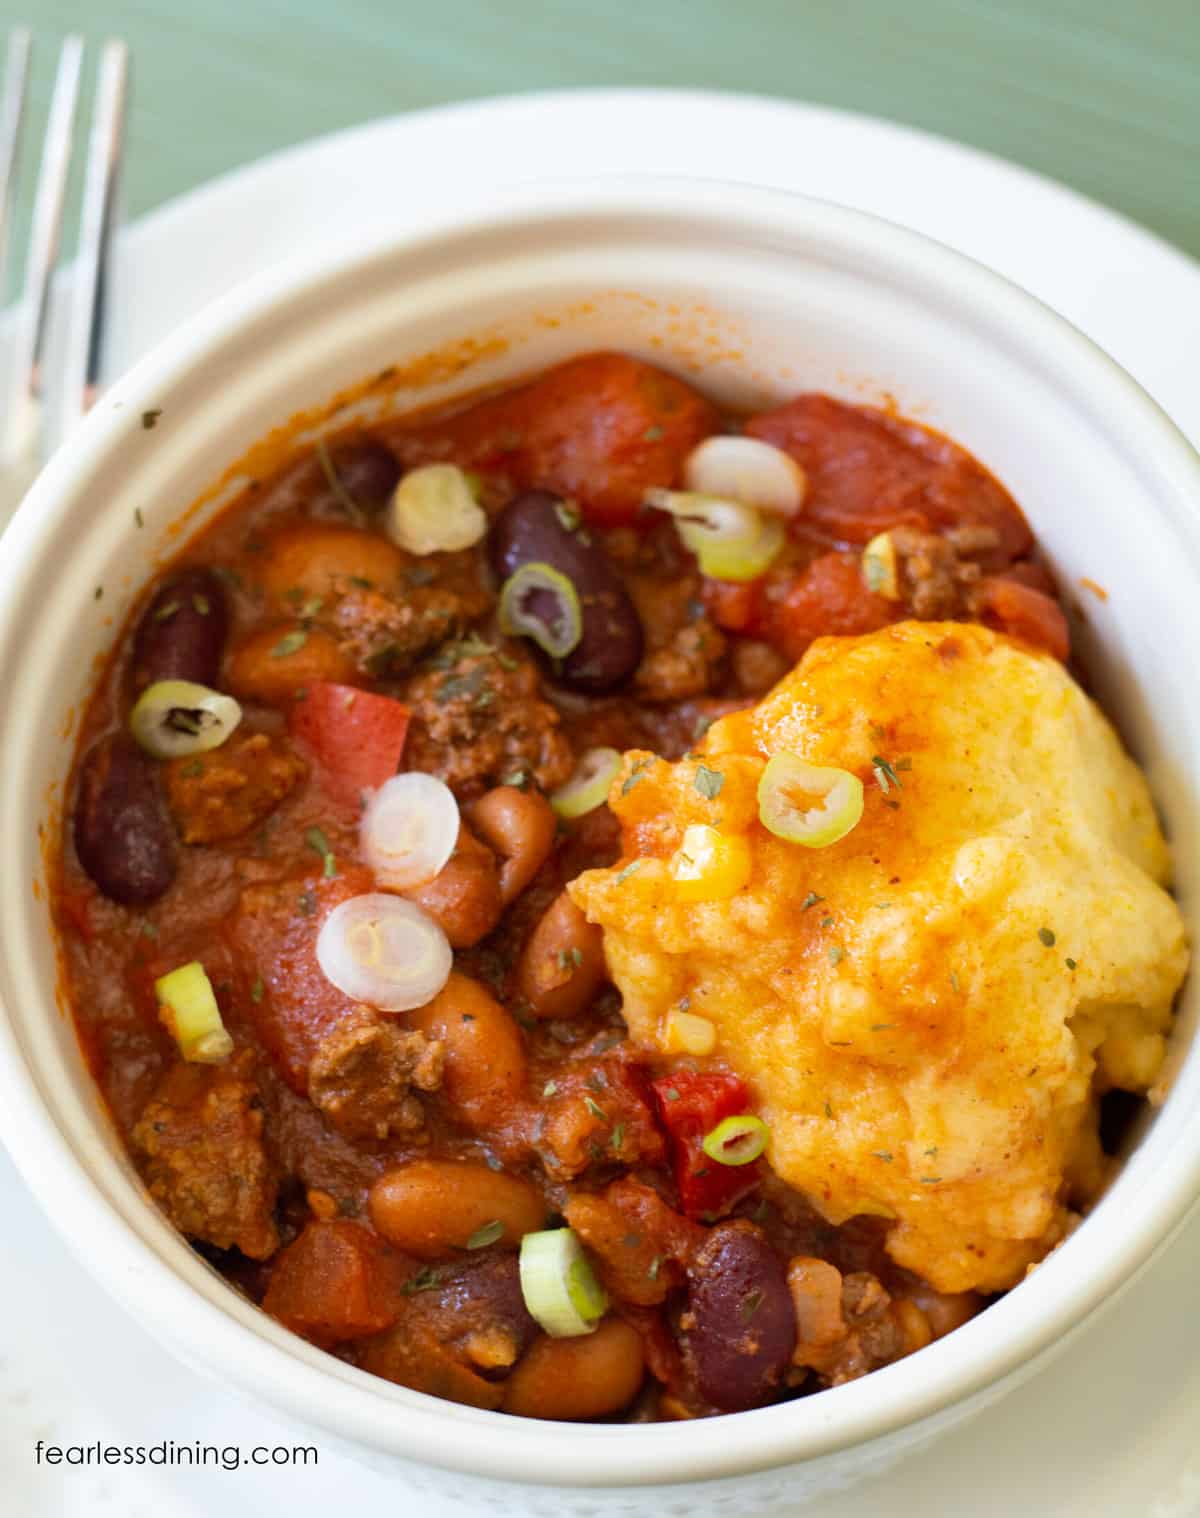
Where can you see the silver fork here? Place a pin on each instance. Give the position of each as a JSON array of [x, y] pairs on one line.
[[30, 429]]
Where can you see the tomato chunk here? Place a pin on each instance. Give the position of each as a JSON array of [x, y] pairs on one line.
[[830, 596], [1022, 612], [868, 471], [356, 736], [690, 1106], [337, 1281], [736, 606], [273, 939], [601, 429]]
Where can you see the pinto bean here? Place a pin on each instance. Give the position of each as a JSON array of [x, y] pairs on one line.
[[539, 527], [562, 964], [122, 835], [277, 661], [464, 897], [484, 1071], [743, 1324], [315, 560], [520, 826], [182, 632], [431, 1208], [586, 1377]]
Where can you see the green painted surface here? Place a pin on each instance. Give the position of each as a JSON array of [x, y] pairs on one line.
[[1102, 94]]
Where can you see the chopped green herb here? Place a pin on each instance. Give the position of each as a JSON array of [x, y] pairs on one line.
[[332, 480], [635, 774], [624, 875], [149, 930], [458, 687], [317, 841], [618, 1136], [364, 584], [827, 922], [425, 1280], [167, 611], [762, 1212], [1047, 937], [150, 419], [882, 1154], [549, 1088], [193, 768], [256, 990], [881, 1027], [654, 1267], [750, 1304], [708, 782], [895, 805], [703, 723], [877, 732], [885, 774], [493, 1163], [568, 514], [467, 1017], [671, 1094], [931, 1152], [486, 1235], [810, 901], [652, 434], [595, 1109], [290, 643], [518, 779], [836, 954], [929, 1180], [828, 1110], [570, 959], [201, 605]]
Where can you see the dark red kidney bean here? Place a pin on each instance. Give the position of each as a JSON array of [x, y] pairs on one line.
[[744, 1326], [122, 834], [182, 632], [366, 470], [483, 1296], [540, 527]]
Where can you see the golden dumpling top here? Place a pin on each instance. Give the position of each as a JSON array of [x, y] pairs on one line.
[[927, 1008]]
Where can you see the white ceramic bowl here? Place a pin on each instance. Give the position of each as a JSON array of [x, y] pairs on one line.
[[761, 294]]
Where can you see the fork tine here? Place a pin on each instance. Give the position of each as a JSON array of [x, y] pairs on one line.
[[86, 341], [23, 424], [12, 111]]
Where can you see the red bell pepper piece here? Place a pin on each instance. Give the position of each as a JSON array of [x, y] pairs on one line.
[[689, 1107], [356, 736]]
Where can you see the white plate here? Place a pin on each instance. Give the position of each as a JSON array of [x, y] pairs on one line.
[[1109, 1428]]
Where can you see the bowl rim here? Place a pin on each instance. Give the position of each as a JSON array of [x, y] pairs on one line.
[[262, 1357]]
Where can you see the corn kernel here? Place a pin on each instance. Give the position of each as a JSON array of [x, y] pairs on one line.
[[709, 865], [879, 567], [689, 1034]]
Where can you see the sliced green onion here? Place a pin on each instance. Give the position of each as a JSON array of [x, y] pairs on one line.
[[732, 541], [879, 568], [188, 1007], [589, 786], [736, 1140], [173, 718], [810, 804], [540, 602], [558, 1284], [433, 510]]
